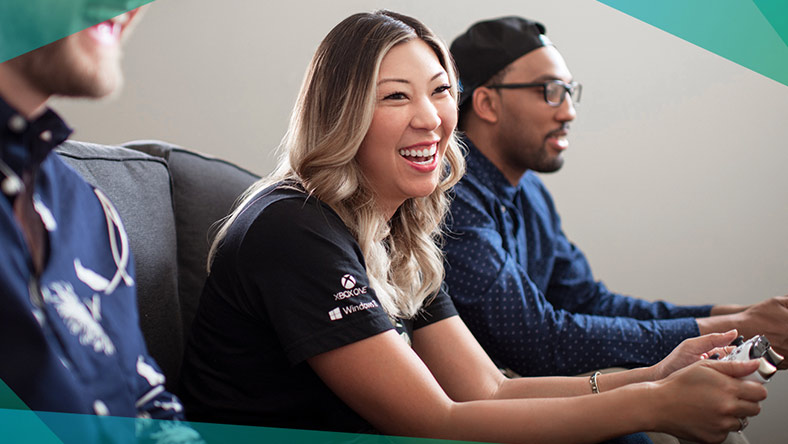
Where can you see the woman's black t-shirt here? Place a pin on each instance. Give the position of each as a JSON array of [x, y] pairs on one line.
[[288, 283]]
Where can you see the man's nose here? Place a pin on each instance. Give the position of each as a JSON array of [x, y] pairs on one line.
[[566, 111]]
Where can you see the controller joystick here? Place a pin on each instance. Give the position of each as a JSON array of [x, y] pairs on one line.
[[757, 347]]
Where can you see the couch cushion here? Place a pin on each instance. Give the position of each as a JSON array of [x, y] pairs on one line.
[[204, 191], [139, 187]]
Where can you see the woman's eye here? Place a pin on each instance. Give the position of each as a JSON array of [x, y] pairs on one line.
[[395, 96], [442, 88]]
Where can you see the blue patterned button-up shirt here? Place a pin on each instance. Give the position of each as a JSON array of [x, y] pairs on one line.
[[69, 336], [528, 294]]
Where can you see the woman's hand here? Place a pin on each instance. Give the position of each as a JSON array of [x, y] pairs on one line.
[[693, 350], [704, 401]]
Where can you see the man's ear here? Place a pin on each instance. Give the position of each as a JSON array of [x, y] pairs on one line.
[[486, 104]]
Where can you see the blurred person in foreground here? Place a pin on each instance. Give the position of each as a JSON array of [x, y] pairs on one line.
[[69, 333]]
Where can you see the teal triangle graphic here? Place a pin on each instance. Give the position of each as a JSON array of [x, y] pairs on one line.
[[28, 24], [776, 12], [20, 424], [9, 400], [751, 33], [24, 426]]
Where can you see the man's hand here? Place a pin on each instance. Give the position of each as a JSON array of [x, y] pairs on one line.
[[769, 318]]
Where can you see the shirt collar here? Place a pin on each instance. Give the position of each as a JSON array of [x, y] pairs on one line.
[[487, 173], [25, 144]]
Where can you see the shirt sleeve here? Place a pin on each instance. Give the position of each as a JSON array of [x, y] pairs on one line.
[[154, 401], [520, 328], [439, 308], [306, 273]]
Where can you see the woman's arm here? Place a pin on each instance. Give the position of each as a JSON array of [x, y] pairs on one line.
[[467, 373], [384, 381]]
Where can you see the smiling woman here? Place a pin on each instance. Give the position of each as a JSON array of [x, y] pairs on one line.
[[414, 118], [325, 310]]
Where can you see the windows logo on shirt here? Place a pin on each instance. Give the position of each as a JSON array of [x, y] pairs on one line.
[[335, 314]]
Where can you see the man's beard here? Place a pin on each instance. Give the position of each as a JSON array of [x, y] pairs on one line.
[[60, 68]]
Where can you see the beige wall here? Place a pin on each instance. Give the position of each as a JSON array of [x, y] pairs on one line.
[[673, 185]]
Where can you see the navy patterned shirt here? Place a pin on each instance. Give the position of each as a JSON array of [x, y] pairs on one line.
[[528, 294], [69, 335]]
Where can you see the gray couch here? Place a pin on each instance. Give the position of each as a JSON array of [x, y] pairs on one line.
[[169, 199]]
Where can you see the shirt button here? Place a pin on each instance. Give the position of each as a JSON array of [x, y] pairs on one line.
[[65, 363], [46, 136], [17, 123], [100, 408]]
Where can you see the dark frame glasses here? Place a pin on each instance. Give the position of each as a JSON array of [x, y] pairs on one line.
[[554, 90]]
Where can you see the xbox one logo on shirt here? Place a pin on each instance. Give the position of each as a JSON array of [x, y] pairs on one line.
[[348, 281]]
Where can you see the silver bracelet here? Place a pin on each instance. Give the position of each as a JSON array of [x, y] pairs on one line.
[[592, 381]]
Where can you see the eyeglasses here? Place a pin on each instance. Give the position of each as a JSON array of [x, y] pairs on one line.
[[554, 90]]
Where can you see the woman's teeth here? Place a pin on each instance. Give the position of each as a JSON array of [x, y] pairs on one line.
[[419, 156]]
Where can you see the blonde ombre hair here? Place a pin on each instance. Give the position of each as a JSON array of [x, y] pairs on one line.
[[330, 119]]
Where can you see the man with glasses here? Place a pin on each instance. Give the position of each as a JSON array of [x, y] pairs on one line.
[[525, 291]]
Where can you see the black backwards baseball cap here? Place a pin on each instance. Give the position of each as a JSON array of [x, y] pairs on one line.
[[489, 46]]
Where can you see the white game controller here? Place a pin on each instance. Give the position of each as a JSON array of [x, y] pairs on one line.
[[758, 347]]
